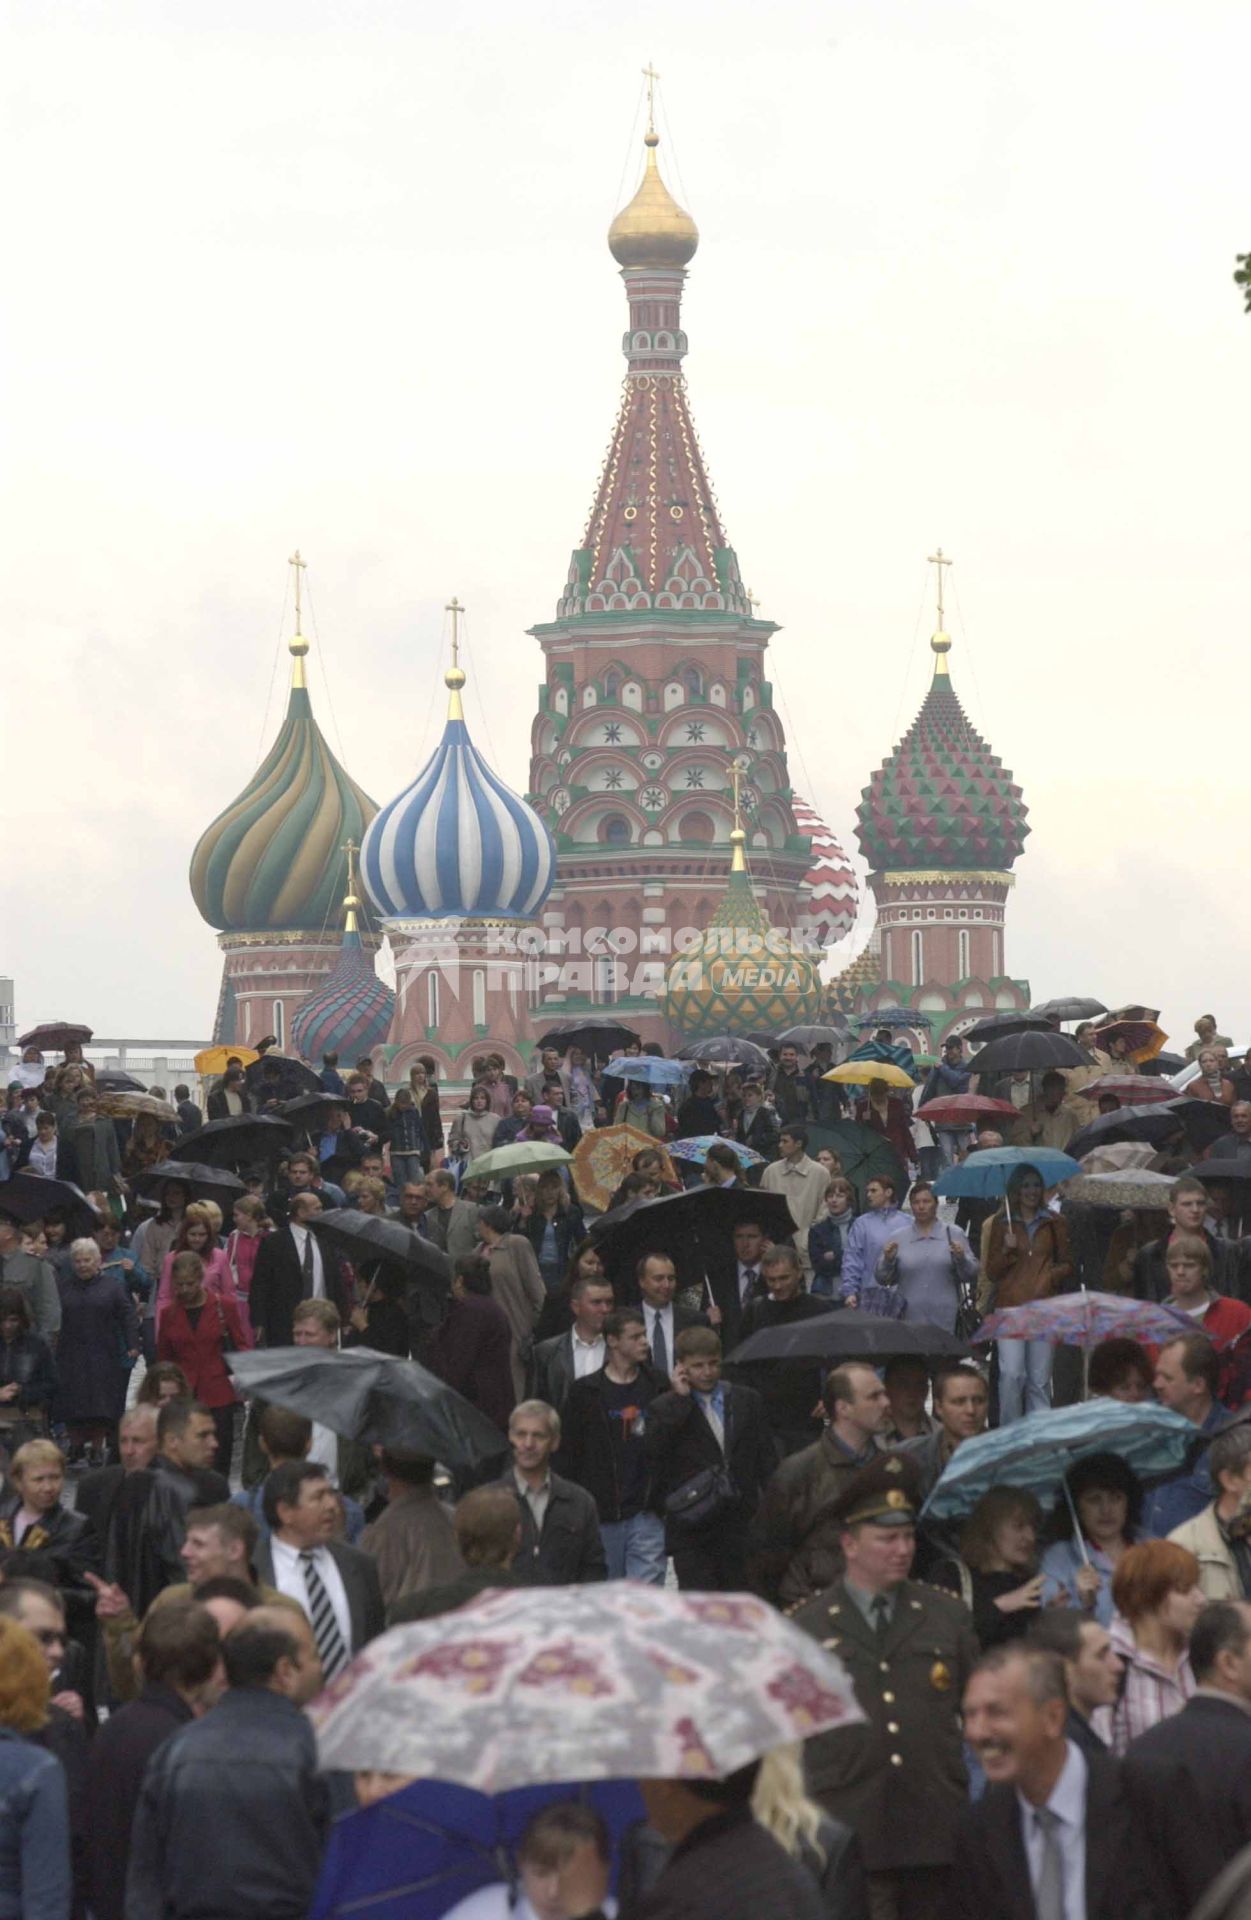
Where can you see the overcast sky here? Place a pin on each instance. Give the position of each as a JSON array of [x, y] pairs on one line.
[[335, 276]]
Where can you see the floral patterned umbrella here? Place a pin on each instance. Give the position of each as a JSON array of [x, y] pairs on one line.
[[695, 1148], [1084, 1319], [606, 1682], [601, 1161]]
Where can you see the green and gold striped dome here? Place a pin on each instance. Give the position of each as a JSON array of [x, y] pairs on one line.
[[273, 861], [741, 974]]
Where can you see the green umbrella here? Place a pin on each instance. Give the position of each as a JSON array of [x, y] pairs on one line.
[[863, 1152], [523, 1156]]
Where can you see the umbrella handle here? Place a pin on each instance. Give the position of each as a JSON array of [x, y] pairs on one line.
[[1077, 1525]]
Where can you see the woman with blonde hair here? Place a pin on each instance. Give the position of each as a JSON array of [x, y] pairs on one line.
[[828, 1850], [34, 1814], [997, 1574]]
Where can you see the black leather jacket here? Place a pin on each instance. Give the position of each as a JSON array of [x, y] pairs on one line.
[[28, 1361]]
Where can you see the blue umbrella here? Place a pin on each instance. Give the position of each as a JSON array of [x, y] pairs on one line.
[[1036, 1452], [414, 1855], [894, 1017], [695, 1148], [649, 1067], [898, 1053], [985, 1175]]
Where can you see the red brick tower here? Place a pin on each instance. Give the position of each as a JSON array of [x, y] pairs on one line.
[[656, 680]]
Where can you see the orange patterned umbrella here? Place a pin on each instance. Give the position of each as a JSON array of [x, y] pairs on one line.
[[601, 1161]]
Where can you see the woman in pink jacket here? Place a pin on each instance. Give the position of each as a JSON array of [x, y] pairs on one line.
[[196, 1236]]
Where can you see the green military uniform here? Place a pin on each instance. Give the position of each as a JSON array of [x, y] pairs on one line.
[[899, 1779]]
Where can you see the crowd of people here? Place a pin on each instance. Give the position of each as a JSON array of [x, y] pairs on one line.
[[1056, 1692]]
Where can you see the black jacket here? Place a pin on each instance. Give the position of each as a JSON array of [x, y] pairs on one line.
[[216, 1104], [29, 1362], [119, 1757], [789, 1392], [758, 1130], [729, 1868], [231, 1817], [569, 1550], [1189, 1782], [360, 1582], [67, 1539], [150, 1525], [680, 1443], [586, 1451], [990, 1876], [552, 1370], [278, 1286], [65, 1739]]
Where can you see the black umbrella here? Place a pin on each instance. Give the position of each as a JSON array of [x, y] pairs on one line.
[[276, 1076], [997, 1026], [311, 1108], [1028, 1053], [374, 1398], [894, 1017], [1163, 1064], [699, 1221], [726, 1049], [31, 1196], [369, 1241], [1238, 1168], [1203, 1120], [112, 1080], [602, 1038], [56, 1035], [237, 1141], [806, 1038], [1072, 1008], [846, 1335], [201, 1182]]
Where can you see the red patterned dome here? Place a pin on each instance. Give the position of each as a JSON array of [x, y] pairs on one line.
[[832, 894]]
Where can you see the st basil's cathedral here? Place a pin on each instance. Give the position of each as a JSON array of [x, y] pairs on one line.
[[661, 863]]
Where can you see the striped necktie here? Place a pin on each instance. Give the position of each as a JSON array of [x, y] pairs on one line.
[[330, 1648]]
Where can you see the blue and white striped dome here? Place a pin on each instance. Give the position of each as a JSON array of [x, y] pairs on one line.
[[457, 842]]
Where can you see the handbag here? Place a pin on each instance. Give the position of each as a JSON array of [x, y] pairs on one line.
[[968, 1315], [886, 1302], [701, 1499]]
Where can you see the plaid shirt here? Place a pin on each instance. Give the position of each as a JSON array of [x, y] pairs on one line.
[[1150, 1693]]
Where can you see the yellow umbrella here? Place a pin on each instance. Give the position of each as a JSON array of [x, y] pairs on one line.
[[601, 1161], [213, 1059], [858, 1073]]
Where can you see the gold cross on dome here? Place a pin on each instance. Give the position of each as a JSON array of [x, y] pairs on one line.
[[455, 609], [299, 565], [940, 560], [651, 76]]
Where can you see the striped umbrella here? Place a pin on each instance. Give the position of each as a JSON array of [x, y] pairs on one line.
[[1138, 1089]]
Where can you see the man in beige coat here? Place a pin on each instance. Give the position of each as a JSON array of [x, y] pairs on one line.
[[1220, 1536]]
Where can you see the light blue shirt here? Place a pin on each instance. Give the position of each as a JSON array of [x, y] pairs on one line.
[[1068, 1802], [862, 1248]]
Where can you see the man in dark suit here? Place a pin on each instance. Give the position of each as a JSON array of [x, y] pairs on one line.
[[657, 1278], [789, 1392], [336, 1585], [1092, 1668], [571, 1356], [1189, 1778], [292, 1265], [560, 1538], [1055, 1833], [757, 1123], [736, 1277], [898, 1779], [709, 1448], [97, 1491]]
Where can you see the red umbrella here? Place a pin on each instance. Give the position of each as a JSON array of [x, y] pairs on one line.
[[56, 1036], [963, 1109], [1139, 1089]]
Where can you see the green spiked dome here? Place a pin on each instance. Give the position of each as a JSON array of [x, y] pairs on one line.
[[741, 974], [274, 860], [942, 800]]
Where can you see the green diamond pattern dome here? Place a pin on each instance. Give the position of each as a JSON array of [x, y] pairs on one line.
[[942, 799], [741, 974]]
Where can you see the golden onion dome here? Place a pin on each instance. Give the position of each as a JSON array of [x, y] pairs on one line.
[[653, 231]]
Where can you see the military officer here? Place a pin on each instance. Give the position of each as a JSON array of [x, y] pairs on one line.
[[899, 1780]]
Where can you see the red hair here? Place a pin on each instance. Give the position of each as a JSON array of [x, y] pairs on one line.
[[1148, 1573]]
